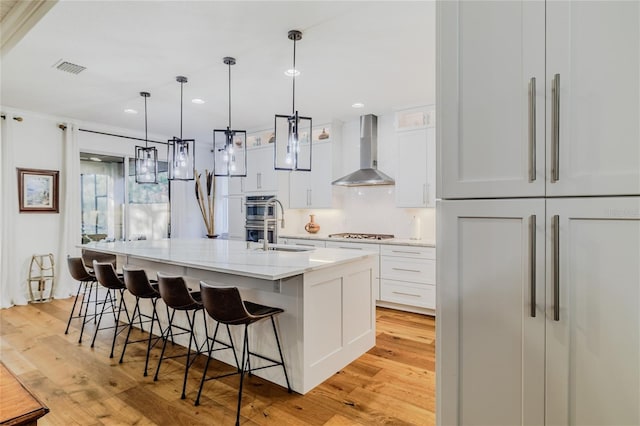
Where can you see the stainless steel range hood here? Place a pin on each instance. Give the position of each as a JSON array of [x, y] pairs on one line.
[[368, 174]]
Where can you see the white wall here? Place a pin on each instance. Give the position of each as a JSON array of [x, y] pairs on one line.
[[366, 209], [36, 143]]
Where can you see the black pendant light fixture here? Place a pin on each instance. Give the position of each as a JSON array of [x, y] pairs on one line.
[[146, 165], [293, 132], [229, 146], [181, 152]]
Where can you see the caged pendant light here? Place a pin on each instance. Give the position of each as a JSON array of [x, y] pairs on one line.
[[293, 132], [229, 146], [146, 164], [181, 152]]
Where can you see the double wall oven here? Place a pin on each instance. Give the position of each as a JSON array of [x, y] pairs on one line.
[[255, 216]]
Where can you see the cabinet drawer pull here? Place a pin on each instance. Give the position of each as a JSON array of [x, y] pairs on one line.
[[406, 270], [350, 248], [405, 252], [532, 129], [424, 193], [405, 294]]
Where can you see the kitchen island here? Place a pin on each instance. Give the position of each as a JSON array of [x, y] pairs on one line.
[[327, 296]]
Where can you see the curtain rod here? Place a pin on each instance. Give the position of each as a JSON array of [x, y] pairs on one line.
[[119, 136]]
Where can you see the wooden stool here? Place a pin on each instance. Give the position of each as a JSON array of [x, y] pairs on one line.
[[41, 271]]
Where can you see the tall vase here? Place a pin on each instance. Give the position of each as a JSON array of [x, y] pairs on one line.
[[312, 227]]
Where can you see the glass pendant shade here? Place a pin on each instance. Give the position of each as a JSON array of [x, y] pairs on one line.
[[182, 158], [146, 164], [181, 153], [293, 142], [230, 153], [293, 132], [229, 146]]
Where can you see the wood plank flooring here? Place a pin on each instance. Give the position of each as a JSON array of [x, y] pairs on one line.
[[393, 383]]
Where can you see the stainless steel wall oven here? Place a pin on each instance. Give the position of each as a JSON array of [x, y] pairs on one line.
[[255, 215]]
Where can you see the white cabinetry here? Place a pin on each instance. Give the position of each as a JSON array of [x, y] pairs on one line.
[[261, 175], [415, 178], [236, 217], [408, 275], [313, 189], [512, 268], [490, 265], [539, 298], [494, 102], [593, 343]]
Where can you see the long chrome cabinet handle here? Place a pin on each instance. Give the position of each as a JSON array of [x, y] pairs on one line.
[[424, 194], [556, 268], [532, 261], [555, 128], [406, 270], [532, 129]]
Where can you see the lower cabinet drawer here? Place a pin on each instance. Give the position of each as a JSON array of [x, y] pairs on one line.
[[408, 294], [403, 269]]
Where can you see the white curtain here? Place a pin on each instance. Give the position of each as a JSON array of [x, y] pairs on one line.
[[11, 287], [70, 223]]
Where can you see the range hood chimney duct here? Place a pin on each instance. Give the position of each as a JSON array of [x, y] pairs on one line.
[[368, 174]]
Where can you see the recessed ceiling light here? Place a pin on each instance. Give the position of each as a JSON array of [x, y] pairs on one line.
[[94, 159], [130, 111], [198, 101], [292, 72], [358, 105]]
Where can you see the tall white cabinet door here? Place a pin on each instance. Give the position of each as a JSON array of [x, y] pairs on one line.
[[593, 339], [313, 189], [412, 185], [490, 309], [491, 124], [236, 218], [594, 48]]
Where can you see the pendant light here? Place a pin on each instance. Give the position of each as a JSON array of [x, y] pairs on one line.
[[293, 132], [181, 152], [229, 146], [146, 164]]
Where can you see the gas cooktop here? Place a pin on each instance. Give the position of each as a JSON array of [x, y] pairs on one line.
[[356, 236]]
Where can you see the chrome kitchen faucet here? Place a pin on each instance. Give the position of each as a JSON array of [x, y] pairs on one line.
[[272, 200]]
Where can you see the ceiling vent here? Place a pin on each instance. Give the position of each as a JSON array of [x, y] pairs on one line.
[[69, 67]]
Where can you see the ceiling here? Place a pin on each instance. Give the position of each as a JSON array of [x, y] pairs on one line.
[[379, 53]]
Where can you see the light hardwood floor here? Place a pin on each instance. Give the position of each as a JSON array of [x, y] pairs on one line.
[[393, 383]]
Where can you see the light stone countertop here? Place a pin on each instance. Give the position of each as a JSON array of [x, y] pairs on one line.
[[390, 241], [231, 257]]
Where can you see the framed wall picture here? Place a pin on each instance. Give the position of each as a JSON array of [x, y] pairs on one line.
[[38, 190]]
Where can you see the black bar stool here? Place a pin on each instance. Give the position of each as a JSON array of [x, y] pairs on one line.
[[225, 305], [138, 284], [107, 277], [176, 295], [87, 282]]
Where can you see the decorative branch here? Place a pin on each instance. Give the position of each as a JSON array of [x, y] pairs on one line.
[[206, 204]]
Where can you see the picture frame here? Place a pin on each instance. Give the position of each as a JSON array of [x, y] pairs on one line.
[[38, 191]]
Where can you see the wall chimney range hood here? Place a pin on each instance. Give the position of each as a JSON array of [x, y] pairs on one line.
[[368, 174]]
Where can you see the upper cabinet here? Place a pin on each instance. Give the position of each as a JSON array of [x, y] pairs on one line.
[[415, 176], [593, 60], [313, 190], [544, 98], [261, 175]]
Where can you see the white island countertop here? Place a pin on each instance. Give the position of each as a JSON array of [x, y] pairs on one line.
[[230, 257]]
